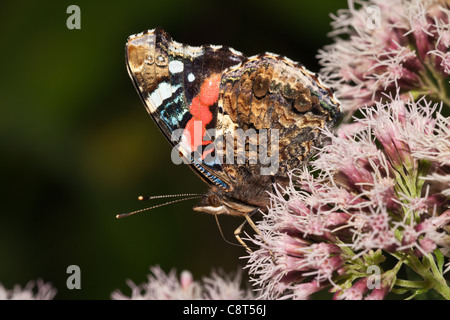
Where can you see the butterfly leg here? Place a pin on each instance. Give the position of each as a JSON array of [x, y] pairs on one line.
[[252, 224], [237, 234]]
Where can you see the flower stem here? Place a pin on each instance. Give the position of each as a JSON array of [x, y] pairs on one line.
[[428, 270]]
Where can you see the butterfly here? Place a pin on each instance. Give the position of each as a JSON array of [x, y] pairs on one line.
[[241, 123]]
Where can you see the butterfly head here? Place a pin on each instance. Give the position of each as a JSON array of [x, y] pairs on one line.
[[218, 202]]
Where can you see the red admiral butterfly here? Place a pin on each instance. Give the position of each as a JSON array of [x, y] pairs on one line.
[[198, 96]]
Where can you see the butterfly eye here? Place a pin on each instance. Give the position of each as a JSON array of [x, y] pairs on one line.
[[214, 201]]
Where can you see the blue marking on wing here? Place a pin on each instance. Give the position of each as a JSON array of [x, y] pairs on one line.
[[209, 175], [172, 110]]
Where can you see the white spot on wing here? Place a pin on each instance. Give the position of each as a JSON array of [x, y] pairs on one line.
[[176, 66], [155, 100], [161, 93], [191, 77], [164, 90]]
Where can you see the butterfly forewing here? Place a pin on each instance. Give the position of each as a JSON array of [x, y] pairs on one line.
[[179, 86]]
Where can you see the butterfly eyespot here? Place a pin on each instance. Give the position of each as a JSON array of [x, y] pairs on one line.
[[161, 61], [214, 201], [149, 60]]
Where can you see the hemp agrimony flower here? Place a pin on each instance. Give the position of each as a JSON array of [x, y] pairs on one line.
[[38, 290], [373, 206], [368, 194], [162, 286], [408, 48]]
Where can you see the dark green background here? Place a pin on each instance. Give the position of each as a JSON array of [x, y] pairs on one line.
[[77, 146]]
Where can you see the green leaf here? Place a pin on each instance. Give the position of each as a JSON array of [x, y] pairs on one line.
[[439, 259], [422, 170]]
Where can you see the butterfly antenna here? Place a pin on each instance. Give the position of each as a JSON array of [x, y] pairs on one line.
[[143, 198], [190, 196]]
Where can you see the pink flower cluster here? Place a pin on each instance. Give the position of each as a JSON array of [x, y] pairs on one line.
[[34, 290], [379, 188], [371, 189], [169, 286], [385, 45]]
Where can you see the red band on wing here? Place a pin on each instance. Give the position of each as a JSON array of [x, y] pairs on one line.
[[199, 108], [209, 92]]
